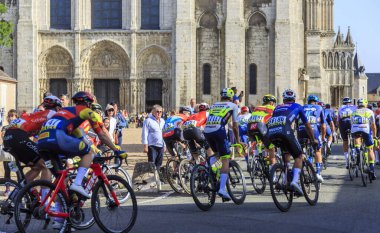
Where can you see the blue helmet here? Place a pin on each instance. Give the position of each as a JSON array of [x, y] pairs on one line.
[[312, 98]]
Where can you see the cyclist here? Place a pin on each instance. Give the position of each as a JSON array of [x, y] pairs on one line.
[[243, 126], [330, 127], [193, 130], [344, 122], [57, 136], [98, 109], [262, 114], [280, 128], [172, 131], [316, 118], [215, 133], [17, 138], [363, 126]]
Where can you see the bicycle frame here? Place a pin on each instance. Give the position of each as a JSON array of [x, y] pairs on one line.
[[61, 186]]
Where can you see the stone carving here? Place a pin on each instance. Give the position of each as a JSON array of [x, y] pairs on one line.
[[255, 3], [330, 60], [343, 62], [349, 62], [58, 61], [336, 61], [324, 60], [206, 4]]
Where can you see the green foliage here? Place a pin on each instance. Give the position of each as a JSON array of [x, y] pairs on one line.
[[6, 29]]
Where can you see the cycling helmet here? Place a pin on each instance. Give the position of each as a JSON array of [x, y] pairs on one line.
[[374, 105], [96, 107], [312, 98], [244, 109], [346, 100], [203, 107], [267, 98], [362, 102], [51, 102], [83, 97], [227, 93], [289, 94], [321, 104], [184, 109], [328, 106]]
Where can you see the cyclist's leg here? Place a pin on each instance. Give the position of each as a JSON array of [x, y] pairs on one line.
[[343, 127], [368, 140], [295, 150], [169, 142]]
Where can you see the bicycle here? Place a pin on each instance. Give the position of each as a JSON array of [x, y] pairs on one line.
[[352, 169], [116, 168], [41, 200], [172, 168], [204, 183], [281, 176], [362, 164]]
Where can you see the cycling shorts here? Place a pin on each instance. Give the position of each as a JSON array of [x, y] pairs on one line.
[[287, 142], [20, 146], [302, 134], [367, 138], [218, 142], [58, 142], [328, 131], [193, 135], [344, 125]]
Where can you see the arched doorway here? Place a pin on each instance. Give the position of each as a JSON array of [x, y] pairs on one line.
[[56, 69], [153, 93]]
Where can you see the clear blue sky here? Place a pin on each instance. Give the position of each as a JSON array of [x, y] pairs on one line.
[[364, 18]]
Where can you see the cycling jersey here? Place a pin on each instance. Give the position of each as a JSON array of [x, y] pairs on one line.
[[197, 120], [33, 122], [173, 123], [344, 119], [215, 131], [361, 120], [220, 113], [279, 127], [243, 123], [315, 116], [57, 133], [261, 114], [329, 119]]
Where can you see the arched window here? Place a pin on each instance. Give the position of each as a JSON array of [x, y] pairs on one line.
[[60, 14], [150, 14], [207, 79], [106, 14], [252, 79]]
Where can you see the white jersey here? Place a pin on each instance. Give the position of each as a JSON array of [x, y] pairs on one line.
[[361, 120], [220, 113]]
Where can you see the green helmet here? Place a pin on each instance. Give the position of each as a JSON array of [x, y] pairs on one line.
[[227, 93], [96, 106]]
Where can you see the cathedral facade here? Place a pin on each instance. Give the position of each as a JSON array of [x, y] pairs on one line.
[[142, 52]]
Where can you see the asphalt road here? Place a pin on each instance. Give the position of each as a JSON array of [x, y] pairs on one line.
[[344, 206]]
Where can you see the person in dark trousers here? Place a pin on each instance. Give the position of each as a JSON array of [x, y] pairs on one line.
[[120, 125]]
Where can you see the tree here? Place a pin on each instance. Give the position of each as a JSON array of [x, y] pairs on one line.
[[6, 28]]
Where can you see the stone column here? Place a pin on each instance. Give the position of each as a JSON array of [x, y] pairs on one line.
[[78, 25], [27, 64], [235, 45], [185, 53]]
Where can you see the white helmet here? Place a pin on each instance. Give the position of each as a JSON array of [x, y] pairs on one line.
[[289, 94]]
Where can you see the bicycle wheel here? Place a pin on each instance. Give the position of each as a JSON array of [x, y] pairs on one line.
[[309, 183], [281, 194], [236, 186], [172, 174], [30, 216], [109, 216], [257, 176], [351, 168], [362, 172], [8, 192], [119, 172], [185, 169], [202, 186]]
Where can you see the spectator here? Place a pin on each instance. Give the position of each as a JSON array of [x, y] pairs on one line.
[[110, 113], [12, 115], [237, 98], [192, 106], [65, 100], [152, 136], [120, 125]]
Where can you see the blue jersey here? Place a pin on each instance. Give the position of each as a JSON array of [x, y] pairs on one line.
[[172, 123], [315, 116], [284, 116], [345, 112]]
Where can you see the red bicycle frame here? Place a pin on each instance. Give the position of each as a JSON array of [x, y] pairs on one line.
[[61, 185]]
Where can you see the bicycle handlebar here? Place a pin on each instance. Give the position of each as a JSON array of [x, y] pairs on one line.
[[240, 147]]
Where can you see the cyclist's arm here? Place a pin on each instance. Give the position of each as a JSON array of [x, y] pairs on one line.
[[235, 124], [373, 126]]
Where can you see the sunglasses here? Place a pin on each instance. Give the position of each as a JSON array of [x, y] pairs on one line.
[[111, 110], [158, 111]]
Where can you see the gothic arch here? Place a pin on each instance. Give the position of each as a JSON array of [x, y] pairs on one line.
[[153, 63], [336, 60], [257, 19], [324, 60], [208, 20], [55, 63], [343, 61], [330, 61]]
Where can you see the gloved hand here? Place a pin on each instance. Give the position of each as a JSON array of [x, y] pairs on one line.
[[118, 147], [121, 154]]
